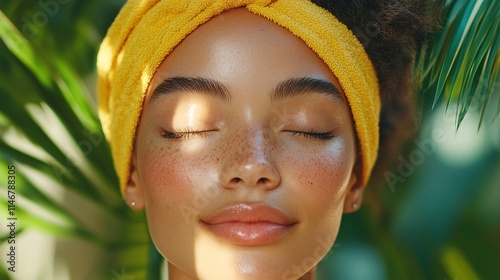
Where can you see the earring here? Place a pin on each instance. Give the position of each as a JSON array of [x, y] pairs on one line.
[[132, 203], [355, 205]]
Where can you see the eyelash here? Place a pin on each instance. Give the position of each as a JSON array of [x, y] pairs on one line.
[[187, 133], [313, 135]]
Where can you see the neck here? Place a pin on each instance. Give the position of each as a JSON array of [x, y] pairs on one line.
[[175, 273]]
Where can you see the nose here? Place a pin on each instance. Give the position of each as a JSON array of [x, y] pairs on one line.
[[250, 163]]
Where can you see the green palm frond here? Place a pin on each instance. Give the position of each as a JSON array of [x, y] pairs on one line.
[[462, 64], [49, 130]]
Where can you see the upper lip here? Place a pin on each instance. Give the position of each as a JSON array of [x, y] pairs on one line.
[[249, 213]]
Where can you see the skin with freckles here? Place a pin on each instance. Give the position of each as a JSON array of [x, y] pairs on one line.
[[242, 114]]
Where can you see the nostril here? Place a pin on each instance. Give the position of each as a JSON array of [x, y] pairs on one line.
[[262, 180]]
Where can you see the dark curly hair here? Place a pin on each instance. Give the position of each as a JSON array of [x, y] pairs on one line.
[[392, 32]]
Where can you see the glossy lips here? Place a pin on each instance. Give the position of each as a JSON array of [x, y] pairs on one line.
[[249, 224]]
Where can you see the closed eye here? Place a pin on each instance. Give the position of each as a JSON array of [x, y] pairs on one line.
[[184, 134], [314, 135]]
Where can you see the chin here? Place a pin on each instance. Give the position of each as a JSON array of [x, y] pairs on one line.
[[289, 259]]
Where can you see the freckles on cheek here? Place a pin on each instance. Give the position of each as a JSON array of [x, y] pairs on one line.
[[322, 176], [159, 174], [173, 177]]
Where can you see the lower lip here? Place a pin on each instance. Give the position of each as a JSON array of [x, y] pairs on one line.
[[250, 234]]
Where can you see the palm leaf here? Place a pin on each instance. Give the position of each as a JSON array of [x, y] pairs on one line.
[[49, 130], [462, 65], [46, 116]]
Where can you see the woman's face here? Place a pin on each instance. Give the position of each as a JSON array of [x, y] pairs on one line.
[[245, 153]]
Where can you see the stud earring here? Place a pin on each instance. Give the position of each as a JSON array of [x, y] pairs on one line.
[[355, 205], [132, 203]]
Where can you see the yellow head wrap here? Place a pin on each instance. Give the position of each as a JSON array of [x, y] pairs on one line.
[[130, 55]]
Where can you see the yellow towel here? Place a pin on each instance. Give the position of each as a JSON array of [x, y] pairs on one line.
[[131, 53]]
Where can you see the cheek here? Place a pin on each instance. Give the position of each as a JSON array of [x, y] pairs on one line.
[[175, 189], [324, 171], [320, 180], [173, 177]]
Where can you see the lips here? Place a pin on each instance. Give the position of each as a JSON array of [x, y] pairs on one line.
[[249, 224]]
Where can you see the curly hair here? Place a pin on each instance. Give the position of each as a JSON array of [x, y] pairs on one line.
[[392, 32]]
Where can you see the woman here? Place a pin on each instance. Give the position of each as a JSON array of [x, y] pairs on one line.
[[246, 128]]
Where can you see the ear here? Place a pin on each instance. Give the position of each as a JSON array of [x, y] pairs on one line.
[[355, 189], [134, 195]]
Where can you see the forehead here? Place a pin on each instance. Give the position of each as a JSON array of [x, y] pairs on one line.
[[238, 46]]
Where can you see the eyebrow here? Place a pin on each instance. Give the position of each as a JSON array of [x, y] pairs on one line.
[[187, 84], [285, 89], [305, 85]]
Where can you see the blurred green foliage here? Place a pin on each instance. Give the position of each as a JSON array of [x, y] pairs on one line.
[[437, 215]]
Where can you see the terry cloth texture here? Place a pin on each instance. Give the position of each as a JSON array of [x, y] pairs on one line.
[[131, 53]]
